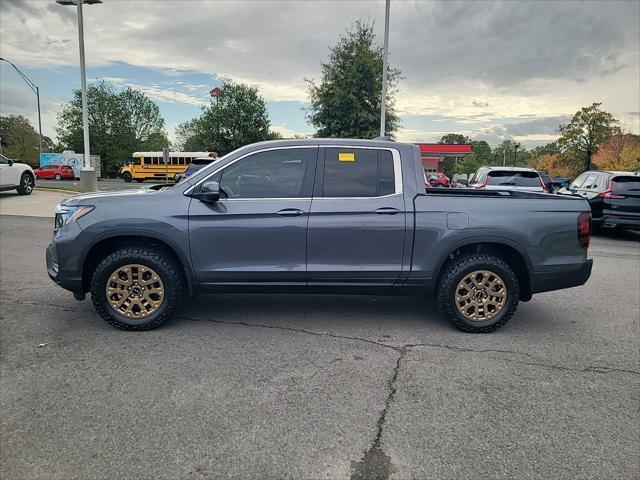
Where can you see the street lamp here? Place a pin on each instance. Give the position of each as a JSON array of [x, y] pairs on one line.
[[383, 102], [515, 153], [88, 178], [35, 89]]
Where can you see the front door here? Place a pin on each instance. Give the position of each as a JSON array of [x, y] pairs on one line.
[[256, 234], [357, 221], [9, 175]]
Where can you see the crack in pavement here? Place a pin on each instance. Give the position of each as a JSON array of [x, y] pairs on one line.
[[375, 464]]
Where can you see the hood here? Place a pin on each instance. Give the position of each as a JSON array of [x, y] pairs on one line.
[[106, 195]]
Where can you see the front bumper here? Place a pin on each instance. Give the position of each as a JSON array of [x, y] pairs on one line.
[[67, 280], [562, 276]]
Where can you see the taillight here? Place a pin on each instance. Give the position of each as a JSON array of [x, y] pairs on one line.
[[584, 229], [607, 193]]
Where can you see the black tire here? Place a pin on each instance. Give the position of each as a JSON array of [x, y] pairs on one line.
[[455, 272], [126, 176], [58, 177], [26, 184], [156, 259]]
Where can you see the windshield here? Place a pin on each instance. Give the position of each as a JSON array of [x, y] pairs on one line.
[[517, 179], [626, 186]]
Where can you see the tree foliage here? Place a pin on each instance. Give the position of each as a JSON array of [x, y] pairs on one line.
[[454, 139], [619, 152], [238, 118], [582, 136], [20, 141], [346, 103], [120, 123]]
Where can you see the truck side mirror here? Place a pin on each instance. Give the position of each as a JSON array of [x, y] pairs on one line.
[[209, 192]]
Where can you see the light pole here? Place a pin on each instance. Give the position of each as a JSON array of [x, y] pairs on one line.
[[385, 60], [515, 154], [36, 90], [88, 177]]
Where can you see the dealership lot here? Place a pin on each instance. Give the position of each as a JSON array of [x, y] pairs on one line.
[[270, 386]]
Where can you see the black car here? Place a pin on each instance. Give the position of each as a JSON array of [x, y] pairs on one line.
[[614, 197]]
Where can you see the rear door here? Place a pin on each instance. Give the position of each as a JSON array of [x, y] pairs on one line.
[[357, 221]]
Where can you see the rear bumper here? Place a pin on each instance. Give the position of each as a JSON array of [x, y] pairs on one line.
[[622, 221], [564, 276]]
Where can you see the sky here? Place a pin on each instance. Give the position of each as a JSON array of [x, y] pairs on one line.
[[492, 70]]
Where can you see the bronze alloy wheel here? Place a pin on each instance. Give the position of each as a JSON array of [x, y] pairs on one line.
[[135, 291], [481, 295]]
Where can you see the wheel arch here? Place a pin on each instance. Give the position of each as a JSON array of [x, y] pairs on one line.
[[104, 245], [508, 251]]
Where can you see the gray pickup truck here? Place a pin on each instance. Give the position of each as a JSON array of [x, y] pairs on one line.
[[318, 216]]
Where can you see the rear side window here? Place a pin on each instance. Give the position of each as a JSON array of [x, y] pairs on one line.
[[514, 179], [358, 172], [626, 185]]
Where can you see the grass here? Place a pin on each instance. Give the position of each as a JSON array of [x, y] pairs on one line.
[[70, 188]]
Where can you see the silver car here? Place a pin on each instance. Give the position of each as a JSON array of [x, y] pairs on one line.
[[508, 178]]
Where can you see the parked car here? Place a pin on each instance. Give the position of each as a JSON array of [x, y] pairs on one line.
[[614, 197], [196, 164], [460, 180], [16, 176], [507, 178], [59, 172], [328, 216], [439, 180]]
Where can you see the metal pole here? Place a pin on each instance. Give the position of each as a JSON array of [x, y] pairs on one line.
[[35, 89], [83, 86], [515, 155], [504, 155], [39, 118], [383, 101]]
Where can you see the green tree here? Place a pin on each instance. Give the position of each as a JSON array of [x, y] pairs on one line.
[[587, 130], [506, 153], [120, 123], [470, 164], [454, 139], [346, 102], [238, 118], [20, 141], [482, 151]]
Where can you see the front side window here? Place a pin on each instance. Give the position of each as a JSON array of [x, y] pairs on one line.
[[358, 172], [270, 174], [4, 160]]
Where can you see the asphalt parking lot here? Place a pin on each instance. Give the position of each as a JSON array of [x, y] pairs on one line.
[[271, 386]]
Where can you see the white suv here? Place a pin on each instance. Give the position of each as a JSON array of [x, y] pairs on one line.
[[16, 176]]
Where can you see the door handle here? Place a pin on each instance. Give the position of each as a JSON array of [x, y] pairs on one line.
[[387, 211], [290, 212]]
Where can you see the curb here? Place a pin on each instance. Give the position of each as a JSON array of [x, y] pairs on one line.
[[58, 190]]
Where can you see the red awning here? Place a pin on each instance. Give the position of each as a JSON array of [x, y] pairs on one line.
[[445, 150]]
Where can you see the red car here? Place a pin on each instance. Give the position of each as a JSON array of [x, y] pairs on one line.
[[439, 180], [59, 172]]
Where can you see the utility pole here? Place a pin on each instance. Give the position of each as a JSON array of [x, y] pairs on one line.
[[515, 154], [88, 176], [385, 61]]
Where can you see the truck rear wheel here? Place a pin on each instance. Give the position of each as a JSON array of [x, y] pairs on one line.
[[478, 293], [136, 288]]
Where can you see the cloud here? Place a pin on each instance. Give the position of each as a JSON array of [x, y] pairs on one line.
[[476, 61]]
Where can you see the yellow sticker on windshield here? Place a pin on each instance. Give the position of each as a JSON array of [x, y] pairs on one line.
[[346, 157]]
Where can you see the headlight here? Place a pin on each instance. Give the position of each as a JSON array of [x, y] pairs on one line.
[[65, 214]]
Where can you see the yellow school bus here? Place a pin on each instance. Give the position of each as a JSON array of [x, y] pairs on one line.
[[150, 165]]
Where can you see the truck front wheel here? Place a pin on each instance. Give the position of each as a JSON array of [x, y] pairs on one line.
[[136, 288], [478, 293], [126, 176]]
